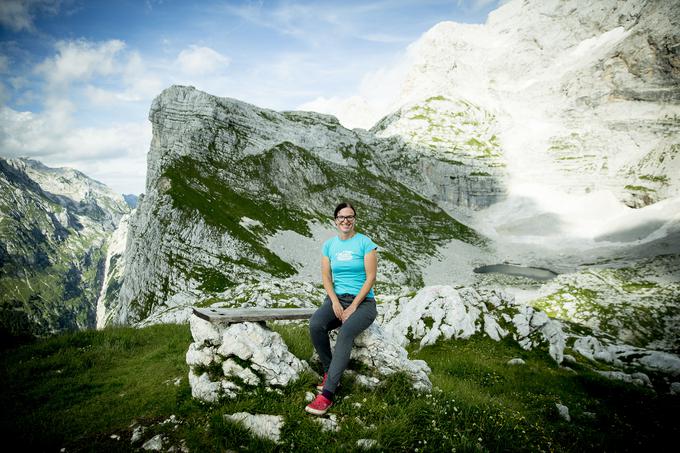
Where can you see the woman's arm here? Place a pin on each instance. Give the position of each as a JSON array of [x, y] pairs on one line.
[[371, 267], [327, 279]]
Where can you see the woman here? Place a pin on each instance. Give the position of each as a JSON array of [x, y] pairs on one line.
[[348, 269]]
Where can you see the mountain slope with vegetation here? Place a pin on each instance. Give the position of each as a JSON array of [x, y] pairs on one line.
[[226, 177], [53, 224]]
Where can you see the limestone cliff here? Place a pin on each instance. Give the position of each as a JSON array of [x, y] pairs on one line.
[[579, 97], [225, 178]]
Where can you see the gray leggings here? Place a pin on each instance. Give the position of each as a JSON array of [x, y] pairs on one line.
[[324, 320]]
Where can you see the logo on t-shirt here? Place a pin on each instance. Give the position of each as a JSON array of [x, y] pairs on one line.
[[344, 256]]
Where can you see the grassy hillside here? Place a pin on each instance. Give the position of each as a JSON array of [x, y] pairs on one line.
[[90, 391]]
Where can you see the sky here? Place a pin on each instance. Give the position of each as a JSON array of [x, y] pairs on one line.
[[78, 77]]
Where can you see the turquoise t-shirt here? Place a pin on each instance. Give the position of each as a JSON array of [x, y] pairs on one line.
[[347, 262]]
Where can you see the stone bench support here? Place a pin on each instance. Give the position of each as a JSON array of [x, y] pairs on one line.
[[247, 353]]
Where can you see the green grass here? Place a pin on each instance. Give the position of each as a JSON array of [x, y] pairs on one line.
[[633, 188], [75, 390], [663, 179]]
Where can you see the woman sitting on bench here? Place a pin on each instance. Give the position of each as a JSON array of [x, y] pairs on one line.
[[348, 270]]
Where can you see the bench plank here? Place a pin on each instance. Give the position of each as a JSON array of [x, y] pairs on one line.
[[252, 314]]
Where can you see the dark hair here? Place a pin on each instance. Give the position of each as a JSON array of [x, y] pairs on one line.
[[343, 205]]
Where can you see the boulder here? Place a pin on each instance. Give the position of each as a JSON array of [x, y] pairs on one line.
[[261, 425], [225, 359], [442, 312], [383, 357]]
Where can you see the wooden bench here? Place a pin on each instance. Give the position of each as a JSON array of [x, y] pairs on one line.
[[232, 315]]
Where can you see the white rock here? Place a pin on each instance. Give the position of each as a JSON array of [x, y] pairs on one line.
[[199, 354], [675, 388], [365, 444], [328, 424], [264, 351], [516, 361], [262, 425], [172, 419], [563, 411], [154, 444], [492, 329], [381, 353], [231, 368], [617, 354], [309, 397], [210, 391], [137, 433], [632, 379], [369, 382], [462, 313], [204, 331], [570, 359]]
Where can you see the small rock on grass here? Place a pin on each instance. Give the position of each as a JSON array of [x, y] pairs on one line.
[[570, 359], [675, 388], [262, 425], [516, 361], [328, 424], [154, 444], [366, 443], [137, 434], [563, 411]]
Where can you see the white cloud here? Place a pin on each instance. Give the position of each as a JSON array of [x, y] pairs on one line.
[[4, 63], [15, 15], [80, 61], [104, 72], [4, 94], [200, 61], [351, 112], [19, 15], [475, 5], [385, 38], [378, 94], [54, 139], [94, 77]]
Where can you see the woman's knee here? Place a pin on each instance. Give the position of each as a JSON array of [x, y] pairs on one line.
[[346, 337], [315, 325]]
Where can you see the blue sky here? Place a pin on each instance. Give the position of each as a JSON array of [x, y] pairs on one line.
[[78, 77]]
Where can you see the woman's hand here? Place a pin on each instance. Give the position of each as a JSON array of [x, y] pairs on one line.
[[337, 309], [348, 312]]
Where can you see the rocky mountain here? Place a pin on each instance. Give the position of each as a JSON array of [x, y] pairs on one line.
[[547, 137], [581, 96], [551, 131], [53, 225], [236, 193]]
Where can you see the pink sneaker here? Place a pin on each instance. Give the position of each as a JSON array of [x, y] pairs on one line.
[[319, 406], [319, 387]]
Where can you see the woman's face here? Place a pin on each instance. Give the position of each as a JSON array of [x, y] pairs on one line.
[[345, 220]]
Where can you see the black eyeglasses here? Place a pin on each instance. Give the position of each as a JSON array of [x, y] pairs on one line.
[[349, 218]]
